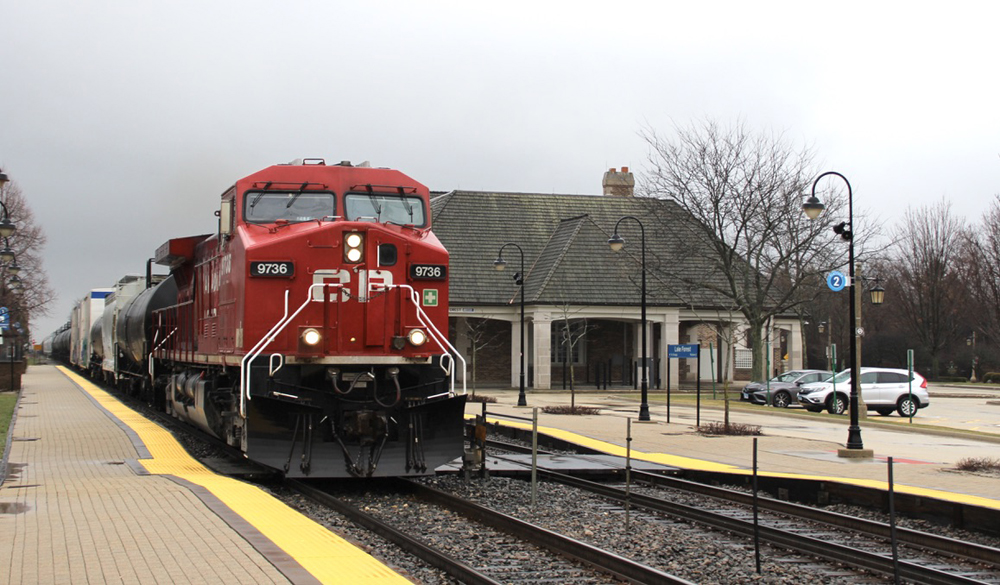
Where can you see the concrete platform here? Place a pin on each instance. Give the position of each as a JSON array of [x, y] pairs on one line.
[[95, 493], [518, 465], [793, 444]]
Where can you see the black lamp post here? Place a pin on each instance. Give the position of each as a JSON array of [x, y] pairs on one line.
[[617, 243], [500, 264], [7, 227], [812, 208]]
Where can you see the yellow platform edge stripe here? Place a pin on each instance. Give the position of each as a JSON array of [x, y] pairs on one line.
[[327, 556], [702, 465]]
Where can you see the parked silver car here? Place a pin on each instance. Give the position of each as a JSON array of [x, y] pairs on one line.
[[783, 388], [883, 390]]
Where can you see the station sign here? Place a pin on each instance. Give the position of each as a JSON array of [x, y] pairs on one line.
[[836, 281], [686, 350]]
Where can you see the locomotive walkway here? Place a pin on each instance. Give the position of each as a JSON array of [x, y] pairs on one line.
[[94, 493]]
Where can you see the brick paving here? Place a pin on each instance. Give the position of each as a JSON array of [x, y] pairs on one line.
[[74, 510]]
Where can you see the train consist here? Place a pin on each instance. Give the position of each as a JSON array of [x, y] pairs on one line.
[[310, 331]]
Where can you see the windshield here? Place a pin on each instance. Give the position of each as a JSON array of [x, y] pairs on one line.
[[385, 209], [787, 377], [841, 377], [292, 206]]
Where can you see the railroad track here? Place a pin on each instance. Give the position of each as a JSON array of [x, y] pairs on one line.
[[852, 541], [503, 556]]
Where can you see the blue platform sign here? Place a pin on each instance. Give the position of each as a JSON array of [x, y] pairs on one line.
[[836, 281], [686, 350], [4, 318]]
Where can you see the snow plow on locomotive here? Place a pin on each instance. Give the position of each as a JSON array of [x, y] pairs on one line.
[[311, 330]]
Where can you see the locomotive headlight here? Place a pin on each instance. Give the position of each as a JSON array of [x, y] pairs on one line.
[[311, 336], [417, 337], [353, 247]]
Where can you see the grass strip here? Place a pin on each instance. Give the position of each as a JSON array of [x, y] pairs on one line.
[[7, 402]]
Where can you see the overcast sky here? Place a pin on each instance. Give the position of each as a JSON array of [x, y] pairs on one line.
[[123, 121]]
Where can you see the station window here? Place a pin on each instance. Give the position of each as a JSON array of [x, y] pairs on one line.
[[563, 338]]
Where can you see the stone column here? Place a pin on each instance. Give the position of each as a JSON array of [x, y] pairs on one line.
[[795, 348], [461, 343], [671, 336], [541, 349]]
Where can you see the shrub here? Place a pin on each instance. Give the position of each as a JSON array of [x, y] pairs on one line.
[[738, 429], [951, 379], [570, 410], [992, 378], [978, 464], [481, 398]]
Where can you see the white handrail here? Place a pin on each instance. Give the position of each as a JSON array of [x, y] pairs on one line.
[[244, 378], [271, 336], [270, 363], [441, 340], [449, 350], [152, 376]]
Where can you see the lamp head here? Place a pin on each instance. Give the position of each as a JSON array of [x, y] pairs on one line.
[[616, 242], [500, 264], [813, 207], [877, 294]]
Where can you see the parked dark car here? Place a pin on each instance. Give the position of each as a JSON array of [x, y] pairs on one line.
[[783, 388]]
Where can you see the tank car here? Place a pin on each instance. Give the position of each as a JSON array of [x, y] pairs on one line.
[[311, 329]]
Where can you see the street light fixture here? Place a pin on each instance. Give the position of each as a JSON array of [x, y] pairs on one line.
[[7, 254], [617, 243], [813, 208], [877, 294], [7, 227], [500, 264]]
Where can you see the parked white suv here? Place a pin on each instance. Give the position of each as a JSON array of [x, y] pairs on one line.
[[883, 390]]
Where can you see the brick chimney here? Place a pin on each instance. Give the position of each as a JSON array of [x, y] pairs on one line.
[[619, 183]]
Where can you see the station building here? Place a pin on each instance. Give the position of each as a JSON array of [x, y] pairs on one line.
[[582, 301]]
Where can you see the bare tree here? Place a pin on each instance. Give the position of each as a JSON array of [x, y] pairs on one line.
[[745, 191], [925, 275], [481, 335], [571, 332], [981, 272], [27, 244], [722, 326]]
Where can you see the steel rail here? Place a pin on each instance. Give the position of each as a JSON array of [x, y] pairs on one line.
[[850, 556], [430, 555], [582, 552], [914, 538]]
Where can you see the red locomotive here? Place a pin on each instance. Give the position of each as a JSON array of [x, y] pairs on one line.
[[311, 330]]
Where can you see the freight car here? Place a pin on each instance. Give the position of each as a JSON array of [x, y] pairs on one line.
[[310, 330]]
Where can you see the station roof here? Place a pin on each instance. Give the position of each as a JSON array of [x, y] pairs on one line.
[[566, 253]]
